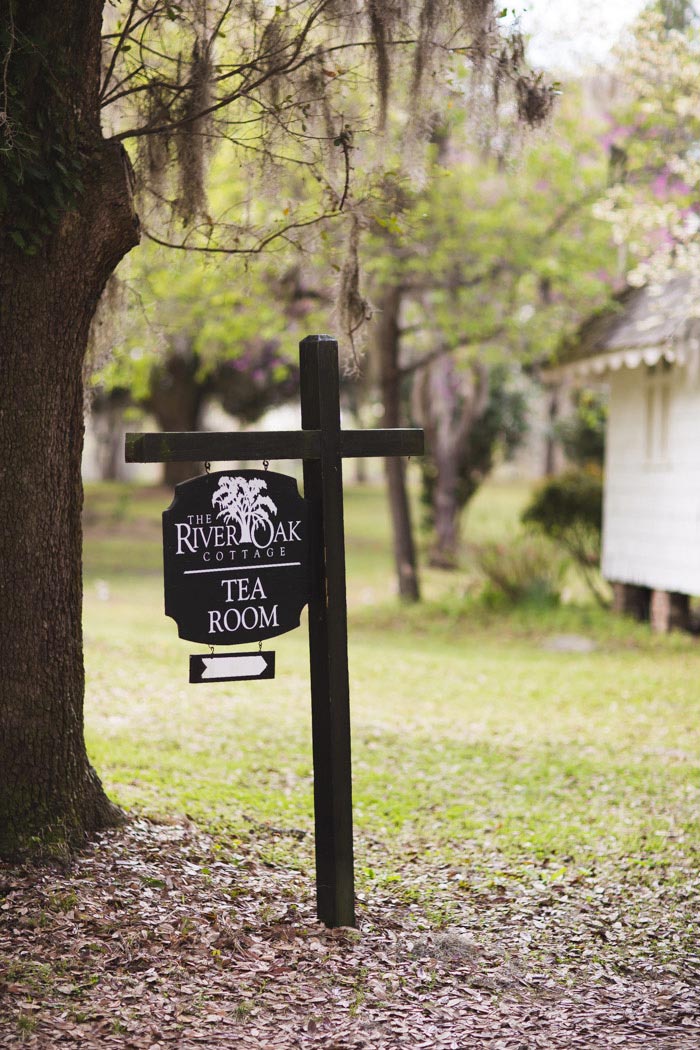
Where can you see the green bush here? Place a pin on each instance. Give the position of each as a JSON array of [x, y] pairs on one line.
[[568, 509], [526, 568], [582, 434]]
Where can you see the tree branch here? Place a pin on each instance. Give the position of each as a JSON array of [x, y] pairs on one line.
[[120, 44], [290, 66], [255, 250], [423, 362]]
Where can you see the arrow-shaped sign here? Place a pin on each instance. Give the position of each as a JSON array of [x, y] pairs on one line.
[[232, 667]]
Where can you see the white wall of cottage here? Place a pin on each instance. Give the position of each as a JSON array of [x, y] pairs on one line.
[[651, 519]]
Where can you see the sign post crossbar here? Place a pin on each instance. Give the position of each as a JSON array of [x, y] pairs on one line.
[[322, 445]]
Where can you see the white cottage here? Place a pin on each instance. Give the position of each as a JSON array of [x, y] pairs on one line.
[[648, 352]]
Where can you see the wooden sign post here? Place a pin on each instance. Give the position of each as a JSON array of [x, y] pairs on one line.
[[322, 446]]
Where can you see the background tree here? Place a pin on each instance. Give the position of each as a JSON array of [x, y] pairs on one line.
[[268, 83], [470, 413], [488, 265], [200, 333]]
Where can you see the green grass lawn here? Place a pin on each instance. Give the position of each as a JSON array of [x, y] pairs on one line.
[[482, 757]]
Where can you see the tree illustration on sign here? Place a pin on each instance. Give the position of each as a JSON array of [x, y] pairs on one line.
[[241, 501]]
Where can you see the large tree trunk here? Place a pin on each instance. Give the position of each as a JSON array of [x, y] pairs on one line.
[[388, 342], [49, 794]]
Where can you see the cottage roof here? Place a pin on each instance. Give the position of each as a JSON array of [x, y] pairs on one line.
[[641, 326]]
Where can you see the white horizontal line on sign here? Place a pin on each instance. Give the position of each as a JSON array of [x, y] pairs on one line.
[[246, 568]]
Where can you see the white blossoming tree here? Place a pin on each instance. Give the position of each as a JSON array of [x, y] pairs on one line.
[[653, 204]]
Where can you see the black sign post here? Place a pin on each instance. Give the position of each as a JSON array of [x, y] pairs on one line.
[[322, 446]]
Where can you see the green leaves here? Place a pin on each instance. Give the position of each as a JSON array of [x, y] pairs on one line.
[[484, 248]]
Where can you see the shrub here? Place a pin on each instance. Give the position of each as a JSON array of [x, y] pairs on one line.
[[568, 509], [526, 568], [582, 434]]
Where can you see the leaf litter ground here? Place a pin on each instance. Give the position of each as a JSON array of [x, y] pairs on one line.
[[160, 935]]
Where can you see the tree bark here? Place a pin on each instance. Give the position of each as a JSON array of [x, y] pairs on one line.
[[50, 797], [388, 344]]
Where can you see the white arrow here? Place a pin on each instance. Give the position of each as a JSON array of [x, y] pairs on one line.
[[233, 666]]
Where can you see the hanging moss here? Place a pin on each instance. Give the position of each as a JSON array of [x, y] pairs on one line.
[[353, 308], [192, 139]]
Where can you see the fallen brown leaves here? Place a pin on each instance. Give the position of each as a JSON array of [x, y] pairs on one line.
[[157, 937]]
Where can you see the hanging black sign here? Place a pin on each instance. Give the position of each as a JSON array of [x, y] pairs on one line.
[[235, 552]]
